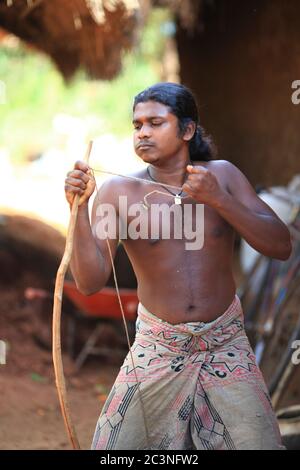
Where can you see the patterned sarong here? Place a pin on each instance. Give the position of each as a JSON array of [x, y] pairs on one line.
[[200, 388]]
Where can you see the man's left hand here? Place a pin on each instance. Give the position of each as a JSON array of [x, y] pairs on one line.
[[202, 185]]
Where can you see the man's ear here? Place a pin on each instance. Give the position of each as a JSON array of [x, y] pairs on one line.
[[190, 130]]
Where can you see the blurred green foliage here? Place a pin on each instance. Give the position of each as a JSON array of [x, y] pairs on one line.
[[36, 92]]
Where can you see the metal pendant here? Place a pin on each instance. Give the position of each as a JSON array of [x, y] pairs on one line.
[[144, 205], [177, 199]]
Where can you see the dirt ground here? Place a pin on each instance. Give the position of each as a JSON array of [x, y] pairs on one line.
[[30, 416]]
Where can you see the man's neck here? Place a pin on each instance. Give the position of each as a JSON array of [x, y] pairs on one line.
[[171, 172]]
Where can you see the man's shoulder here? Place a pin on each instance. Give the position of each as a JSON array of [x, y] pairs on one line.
[[225, 171], [220, 167], [126, 180], [141, 174], [118, 179], [118, 185]]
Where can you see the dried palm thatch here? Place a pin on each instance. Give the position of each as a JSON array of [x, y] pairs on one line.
[[89, 33]]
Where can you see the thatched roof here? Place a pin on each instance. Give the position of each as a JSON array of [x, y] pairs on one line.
[[91, 34], [88, 33]]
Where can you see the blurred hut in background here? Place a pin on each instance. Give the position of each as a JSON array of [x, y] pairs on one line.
[[241, 59]]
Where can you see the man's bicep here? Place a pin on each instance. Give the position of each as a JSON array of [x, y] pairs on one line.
[[241, 189]]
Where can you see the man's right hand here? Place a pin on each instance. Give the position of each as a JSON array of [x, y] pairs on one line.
[[79, 181]]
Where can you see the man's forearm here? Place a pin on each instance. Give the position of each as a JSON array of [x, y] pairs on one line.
[[87, 263], [264, 233]]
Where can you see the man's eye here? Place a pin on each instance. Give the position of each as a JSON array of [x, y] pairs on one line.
[[156, 123]]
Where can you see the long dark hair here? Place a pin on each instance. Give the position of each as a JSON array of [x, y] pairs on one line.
[[182, 104]]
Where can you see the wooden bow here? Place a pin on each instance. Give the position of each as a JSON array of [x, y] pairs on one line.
[[56, 345], [57, 304]]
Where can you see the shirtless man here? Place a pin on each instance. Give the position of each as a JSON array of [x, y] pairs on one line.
[[199, 385]]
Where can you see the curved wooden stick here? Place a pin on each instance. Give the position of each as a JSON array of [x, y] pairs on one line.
[[57, 303]]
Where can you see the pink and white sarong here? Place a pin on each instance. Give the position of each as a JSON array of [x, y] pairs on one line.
[[200, 388]]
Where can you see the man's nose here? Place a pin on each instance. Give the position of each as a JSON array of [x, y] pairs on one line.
[[144, 131]]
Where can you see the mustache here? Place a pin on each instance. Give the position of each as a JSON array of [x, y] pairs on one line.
[[144, 143]]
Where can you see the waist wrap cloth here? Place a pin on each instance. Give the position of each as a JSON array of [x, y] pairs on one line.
[[200, 386]]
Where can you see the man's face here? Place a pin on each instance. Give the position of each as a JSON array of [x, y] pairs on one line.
[[156, 134]]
